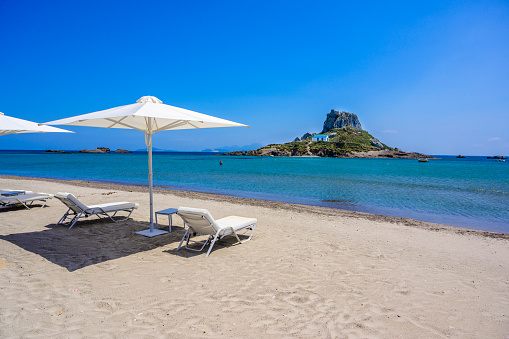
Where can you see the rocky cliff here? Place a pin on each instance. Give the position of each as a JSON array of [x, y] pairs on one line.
[[336, 119]]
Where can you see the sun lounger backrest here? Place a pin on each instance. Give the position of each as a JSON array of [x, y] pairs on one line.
[[198, 219], [72, 202]]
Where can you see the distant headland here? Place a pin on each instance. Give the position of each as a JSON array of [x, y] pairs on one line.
[[342, 136]]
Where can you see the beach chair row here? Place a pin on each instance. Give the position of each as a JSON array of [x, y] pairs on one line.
[[196, 221]]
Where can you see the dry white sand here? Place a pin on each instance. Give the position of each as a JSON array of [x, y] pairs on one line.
[[308, 272]]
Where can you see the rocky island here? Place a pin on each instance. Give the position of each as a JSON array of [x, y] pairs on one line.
[[97, 150], [55, 151], [120, 150], [342, 136]]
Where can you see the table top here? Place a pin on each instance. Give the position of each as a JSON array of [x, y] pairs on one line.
[[168, 211]]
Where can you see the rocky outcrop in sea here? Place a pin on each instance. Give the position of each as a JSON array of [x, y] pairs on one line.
[[55, 151], [97, 150]]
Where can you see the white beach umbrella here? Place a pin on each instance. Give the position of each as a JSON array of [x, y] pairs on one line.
[[10, 125], [148, 115]]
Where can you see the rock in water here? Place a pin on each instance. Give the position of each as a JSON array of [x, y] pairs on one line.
[[122, 151], [97, 150], [337, 119]]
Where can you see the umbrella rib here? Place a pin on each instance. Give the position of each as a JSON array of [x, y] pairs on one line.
[[171, 125], [115, 122], [124, 124], [193, 125]]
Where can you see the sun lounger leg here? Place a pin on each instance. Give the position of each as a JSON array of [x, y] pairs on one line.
[[251, 235], [212, 244], [74, 217], [236, 235], [44, 203], [186, 236], [64, 217], [73, 221], [22, 203], [115, 213]]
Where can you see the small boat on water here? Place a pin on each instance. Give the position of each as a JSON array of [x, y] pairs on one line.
[[423, 160]]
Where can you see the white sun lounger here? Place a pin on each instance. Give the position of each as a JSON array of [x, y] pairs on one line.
[[5, 192], [199, 221], [78, 210], [24, 199]]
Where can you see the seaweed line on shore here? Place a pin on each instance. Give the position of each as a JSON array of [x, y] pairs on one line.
[[273, 205]]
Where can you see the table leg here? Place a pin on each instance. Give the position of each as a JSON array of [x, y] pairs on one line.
[[157, 225], [169, 222]]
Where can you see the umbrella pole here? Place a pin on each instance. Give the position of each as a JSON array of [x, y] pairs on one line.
[[148, 141], [150, 182]]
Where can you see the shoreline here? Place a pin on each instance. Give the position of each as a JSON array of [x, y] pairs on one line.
[[326, 211], [378, 154]]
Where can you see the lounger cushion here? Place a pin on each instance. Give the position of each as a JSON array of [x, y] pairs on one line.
[[237, 223], [73, 201], [198, 219], [25, 198], [223, 225], [196, 211], [112, 207], [93, 209], [2, 191]]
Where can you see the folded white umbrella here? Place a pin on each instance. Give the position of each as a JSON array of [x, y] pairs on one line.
[[148, 115], [10, 125]]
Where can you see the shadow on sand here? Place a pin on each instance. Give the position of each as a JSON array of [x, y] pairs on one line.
[[91, 242], [224, 243]]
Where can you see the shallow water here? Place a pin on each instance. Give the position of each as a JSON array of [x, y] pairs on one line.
[[471, 192]]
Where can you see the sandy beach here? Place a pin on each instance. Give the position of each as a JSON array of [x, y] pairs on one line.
[[308, 272]]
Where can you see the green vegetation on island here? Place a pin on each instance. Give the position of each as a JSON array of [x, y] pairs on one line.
[[342, 142]]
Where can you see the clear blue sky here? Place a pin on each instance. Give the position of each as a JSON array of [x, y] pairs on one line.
[[426, 76]]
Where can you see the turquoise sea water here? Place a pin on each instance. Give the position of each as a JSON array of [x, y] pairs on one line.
[[471, 192]]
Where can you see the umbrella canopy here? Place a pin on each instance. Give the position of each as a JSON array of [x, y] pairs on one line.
[[10, 125], [148, 115], [137, 116]]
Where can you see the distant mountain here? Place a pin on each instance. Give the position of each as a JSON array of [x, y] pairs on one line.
[[234, 148]]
